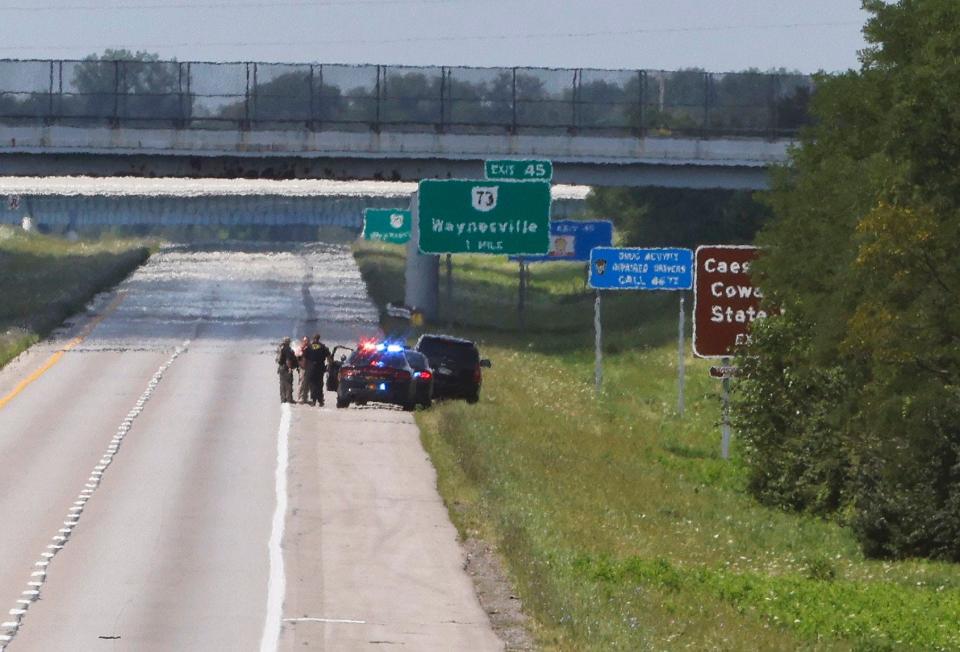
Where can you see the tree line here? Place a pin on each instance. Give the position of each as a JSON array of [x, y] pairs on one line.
[[849, 405], [139, 86]]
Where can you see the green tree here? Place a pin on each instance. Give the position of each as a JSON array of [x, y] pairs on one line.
[[679, 217], [851, 400], [120, 83]]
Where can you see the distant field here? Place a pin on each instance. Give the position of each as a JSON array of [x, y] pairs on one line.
[[44, 279], [620, 524]]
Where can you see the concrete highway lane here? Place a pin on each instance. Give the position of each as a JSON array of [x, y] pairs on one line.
[[155, 495]]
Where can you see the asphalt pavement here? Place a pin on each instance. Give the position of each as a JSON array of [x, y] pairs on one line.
[[155, 495]]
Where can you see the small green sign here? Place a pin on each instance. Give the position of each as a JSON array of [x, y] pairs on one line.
[[530, 170], [387, 225], [484, 217]]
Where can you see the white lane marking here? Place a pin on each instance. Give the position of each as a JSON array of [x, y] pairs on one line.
[[325, 620], [73, 516], [276, 585]]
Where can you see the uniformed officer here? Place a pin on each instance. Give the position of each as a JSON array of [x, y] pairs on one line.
[[286, 363], [317, 355]]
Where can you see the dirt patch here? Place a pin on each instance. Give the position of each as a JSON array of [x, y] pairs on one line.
[[496, 595]]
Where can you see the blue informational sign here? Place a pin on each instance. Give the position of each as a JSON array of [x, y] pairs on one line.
[[573, 240], [631, 268]]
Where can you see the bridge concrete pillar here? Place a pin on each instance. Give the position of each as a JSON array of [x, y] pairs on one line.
[[422, 273]]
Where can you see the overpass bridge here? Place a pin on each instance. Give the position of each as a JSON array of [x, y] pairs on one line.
[[683, 128], [72, 203]]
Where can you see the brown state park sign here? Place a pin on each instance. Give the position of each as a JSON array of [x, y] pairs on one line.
[[725, 301]]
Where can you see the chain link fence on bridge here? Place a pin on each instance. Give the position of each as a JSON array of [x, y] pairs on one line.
[[263, 96]]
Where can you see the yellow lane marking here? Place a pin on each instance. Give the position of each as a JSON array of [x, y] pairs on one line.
[[53, 359]]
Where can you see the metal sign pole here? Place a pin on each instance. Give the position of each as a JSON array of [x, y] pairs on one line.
[[449, 291], [598, 343], [521, 295], [680, 360], [725, 428]]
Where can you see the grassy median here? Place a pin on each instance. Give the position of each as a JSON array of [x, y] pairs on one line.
[[45, 279], [621, 526]]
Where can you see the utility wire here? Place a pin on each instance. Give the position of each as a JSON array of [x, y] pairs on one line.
[[438, 39], [232, 5]]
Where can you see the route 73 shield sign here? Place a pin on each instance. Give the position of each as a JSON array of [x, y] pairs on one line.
[[485, 198]]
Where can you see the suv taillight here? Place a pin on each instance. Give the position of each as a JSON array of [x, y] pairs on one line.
[[477, 375]]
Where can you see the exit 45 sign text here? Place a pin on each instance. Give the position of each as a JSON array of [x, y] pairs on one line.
[[527, 170]]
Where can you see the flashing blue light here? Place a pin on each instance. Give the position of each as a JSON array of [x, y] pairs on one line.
[[383, 386], [381, 347], [395, 348]]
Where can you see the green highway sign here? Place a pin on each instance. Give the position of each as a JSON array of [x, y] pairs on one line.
[[387, 225], [484, 217], [519, 170]]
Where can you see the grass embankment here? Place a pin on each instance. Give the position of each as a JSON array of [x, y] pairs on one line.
[[621, 526], [44, 280]]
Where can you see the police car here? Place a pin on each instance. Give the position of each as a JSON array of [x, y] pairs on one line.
[[385, 372]]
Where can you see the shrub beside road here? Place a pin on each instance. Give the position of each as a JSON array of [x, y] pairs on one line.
[[44, 280], [620, 525]]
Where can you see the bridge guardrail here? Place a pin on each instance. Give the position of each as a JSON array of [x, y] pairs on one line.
[[259, 96]]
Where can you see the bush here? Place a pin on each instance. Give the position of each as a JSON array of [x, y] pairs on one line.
[[850, 401], [791, 414]]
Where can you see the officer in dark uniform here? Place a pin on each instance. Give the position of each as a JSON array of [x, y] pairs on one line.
[[316, 357], [286, 363]]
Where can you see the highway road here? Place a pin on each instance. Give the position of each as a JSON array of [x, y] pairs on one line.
[[155, 494]]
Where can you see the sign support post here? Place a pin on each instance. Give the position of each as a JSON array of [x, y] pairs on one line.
[[725, 428], [449, 291], [422, 271], [680, 361], [521, 295], [598, 344]]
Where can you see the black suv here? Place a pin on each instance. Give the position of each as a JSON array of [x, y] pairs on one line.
[[456, 366]]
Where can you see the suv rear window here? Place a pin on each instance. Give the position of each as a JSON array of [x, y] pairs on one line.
[[463, 354], [417, 360]]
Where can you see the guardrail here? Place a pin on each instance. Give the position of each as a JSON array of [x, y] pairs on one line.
[[263, 96]]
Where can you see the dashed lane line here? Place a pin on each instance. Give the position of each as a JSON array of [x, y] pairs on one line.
[[55, 358], [10, 628]]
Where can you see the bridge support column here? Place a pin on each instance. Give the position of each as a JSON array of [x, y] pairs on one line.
[[422, 273]]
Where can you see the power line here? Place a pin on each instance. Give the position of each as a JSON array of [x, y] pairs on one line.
[[438, 39], [229, 5]]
